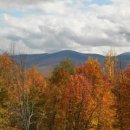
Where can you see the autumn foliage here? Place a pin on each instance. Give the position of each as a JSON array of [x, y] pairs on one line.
[[87, 97]]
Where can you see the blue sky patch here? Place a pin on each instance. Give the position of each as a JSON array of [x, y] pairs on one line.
[[99, 2], [14, 13]]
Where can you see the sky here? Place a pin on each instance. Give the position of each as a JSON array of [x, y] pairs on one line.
[[47, 26]]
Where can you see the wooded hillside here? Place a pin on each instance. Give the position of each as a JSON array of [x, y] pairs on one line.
[[87, 97]]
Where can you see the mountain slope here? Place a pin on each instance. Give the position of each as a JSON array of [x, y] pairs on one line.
[[46, 62]]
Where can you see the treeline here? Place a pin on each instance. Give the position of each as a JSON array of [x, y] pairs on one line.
[[88, 97]]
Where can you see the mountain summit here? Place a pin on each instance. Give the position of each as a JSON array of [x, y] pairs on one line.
[[46, 62]]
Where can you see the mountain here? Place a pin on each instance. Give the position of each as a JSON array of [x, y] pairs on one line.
[[46, 62], [124, 59], [1, 51]]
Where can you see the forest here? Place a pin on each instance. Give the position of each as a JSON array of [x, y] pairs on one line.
[[86, 97]]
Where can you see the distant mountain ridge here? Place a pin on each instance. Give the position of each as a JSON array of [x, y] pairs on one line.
[[46, 62]]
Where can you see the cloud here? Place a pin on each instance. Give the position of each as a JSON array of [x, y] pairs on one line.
[[54, 25]]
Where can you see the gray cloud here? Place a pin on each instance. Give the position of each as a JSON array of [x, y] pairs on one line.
[[67, 27], [24, 5]]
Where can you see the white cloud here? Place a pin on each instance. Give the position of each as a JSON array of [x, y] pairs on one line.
[[67, 25]]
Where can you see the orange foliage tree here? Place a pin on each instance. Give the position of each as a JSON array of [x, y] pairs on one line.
[[77, 103], [89, 97], [123, 100]]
